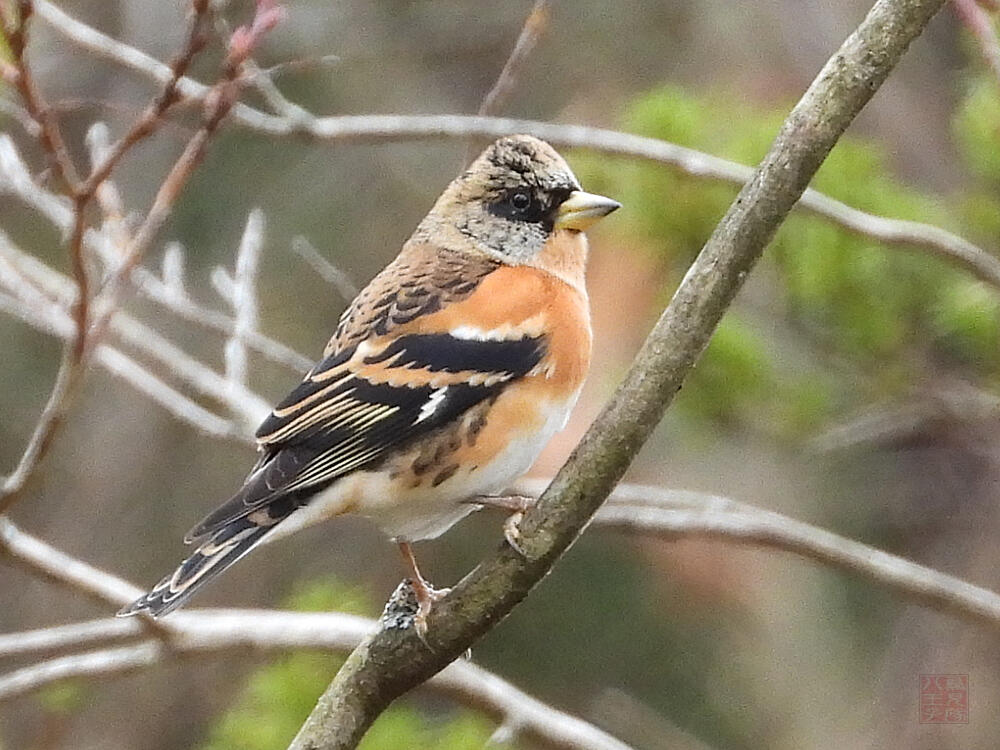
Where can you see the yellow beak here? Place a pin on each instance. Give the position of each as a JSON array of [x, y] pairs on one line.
[[581, 210]]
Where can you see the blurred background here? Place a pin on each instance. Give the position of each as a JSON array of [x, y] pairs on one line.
[[851, 385]]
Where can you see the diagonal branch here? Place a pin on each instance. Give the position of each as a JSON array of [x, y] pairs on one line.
[[15, 179], [394, 660], [531, 33], [635, 509], [391, 128]]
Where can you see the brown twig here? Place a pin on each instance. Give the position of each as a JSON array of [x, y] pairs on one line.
[[73, 363], [217, 105], [15, 32], [534, 28], [153, 116], [90, 329]]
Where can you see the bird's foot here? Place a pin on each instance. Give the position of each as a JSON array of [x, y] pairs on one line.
[[427, 596], [517, 505]]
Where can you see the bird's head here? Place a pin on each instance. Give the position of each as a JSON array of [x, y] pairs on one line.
[[512, 199]]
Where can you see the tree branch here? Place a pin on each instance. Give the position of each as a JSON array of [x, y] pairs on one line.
[[15, 179], [531, 33], [391, 128], [394, 660], [635, 509]]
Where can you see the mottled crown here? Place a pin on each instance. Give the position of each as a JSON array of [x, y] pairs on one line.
[[521, 160]]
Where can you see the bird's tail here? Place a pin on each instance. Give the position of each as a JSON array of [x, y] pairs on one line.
[[214, 555]]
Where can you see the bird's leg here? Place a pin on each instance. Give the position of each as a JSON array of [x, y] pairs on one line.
[[426, 594], [517, 505]]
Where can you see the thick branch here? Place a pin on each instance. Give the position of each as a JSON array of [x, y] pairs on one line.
[[392, 661], [636, 509], [392, 128]]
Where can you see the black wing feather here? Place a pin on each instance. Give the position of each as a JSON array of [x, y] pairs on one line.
[[356, 423]]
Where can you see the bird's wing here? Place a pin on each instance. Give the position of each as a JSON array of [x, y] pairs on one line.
[[369, 398]]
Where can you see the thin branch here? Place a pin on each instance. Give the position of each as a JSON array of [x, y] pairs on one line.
[[71, 365], [40, 558], [394, 660], [50, 136], [721, 518], [218, 103], [263, 82], [534, 28], [45, 429], [75, 355], [330, 273], [392, 128], [57, 289], [219, 631], [200, 631], [60, 638], [152, 117], [244, 297], [174, 402], [51, 318]]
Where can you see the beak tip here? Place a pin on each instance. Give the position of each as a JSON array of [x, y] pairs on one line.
[[581, 210]]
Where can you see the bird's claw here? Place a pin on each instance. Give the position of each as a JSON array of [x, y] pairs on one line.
[[517, 505], [512, 532], [426, 595]]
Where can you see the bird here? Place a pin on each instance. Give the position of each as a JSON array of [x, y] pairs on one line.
[[444, 379]]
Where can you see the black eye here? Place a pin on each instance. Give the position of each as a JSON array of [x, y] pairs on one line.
[[520, 201]]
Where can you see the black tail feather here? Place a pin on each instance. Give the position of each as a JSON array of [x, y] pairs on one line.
[[213, 556]]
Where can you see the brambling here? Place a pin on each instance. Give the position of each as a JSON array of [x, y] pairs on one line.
[[445, 378]]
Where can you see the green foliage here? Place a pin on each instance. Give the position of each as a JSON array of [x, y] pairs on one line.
[[64, 697], [733, 375], [842, 294], [277, 698], [977, 128]]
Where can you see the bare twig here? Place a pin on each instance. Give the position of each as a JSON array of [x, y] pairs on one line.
[[50, 136], [55, 290], [208, 632], [534, 28], [50, 317], [637, 509], [70, 369], [203, 631], [389, 128], [61, 638], [243, 297], [15, 179], [330, 273], [976, 19], [152, 116], [531, 33], [217, 103], [394, 660], [43, 559], [73, 364]]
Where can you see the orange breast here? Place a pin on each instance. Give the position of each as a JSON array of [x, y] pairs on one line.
[[523, 296]]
